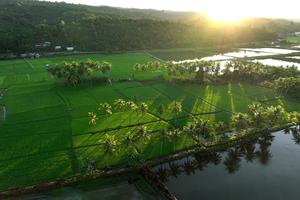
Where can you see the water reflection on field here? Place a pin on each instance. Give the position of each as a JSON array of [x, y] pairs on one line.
[[243, 53], [277, 63], [267, 168]]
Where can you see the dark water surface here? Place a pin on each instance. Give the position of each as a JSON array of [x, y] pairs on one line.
[[268, 168], [120, 191]]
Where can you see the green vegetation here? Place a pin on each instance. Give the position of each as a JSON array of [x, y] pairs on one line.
[[26, 25], [47, 134], [293, 39], [73, 73]]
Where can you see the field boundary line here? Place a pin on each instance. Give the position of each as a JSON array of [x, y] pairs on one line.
[[32, 67], [164, 94], [117, 128], [152, 56], [153, 114]]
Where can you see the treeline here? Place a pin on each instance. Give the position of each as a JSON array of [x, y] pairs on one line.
[[25, 23], [209, 72]]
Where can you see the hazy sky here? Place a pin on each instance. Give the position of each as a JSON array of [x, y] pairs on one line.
[[220, 9]]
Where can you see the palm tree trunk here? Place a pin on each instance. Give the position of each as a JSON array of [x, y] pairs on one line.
[[161, 147]]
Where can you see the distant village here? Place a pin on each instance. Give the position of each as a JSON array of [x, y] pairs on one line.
[[41, 48]]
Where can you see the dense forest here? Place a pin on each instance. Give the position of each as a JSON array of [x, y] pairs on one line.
[[26, 23]]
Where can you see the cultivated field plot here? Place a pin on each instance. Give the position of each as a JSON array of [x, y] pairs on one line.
[[46, 134]]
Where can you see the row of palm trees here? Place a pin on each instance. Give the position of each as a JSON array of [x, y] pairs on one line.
[[212, 72], [287, 86], [141, 108], [74, 72], [260, 118], [199, 131]]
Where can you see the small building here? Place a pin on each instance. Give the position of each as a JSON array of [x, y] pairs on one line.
[[23, 55], [57, 48], [37, 55], [39, 45], [70, 48], [47, 44]]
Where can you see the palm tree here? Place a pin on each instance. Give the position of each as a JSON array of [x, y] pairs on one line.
[[128, 142], [105, 108], [274, 115], [256, 112], [175, 135], [142, 109], [89, 166], [190, 130], [203, 128], [160, 109], [143, 134], [240, 122], [176, 108], [120, 104], [298, 119], [105, 67], [92, 118], [131, 106], [109, 147], [164, 137], [220, 128]]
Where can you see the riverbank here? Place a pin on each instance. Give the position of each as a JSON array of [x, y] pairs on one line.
[[121, 170]]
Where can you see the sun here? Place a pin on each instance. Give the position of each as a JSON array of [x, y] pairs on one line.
[[225, 10]]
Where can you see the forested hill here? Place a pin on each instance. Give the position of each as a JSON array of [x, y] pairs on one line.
[[25, 23]]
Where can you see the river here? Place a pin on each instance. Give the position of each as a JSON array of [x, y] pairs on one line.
[[264, 169]]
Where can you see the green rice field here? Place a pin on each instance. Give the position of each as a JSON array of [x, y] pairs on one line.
[[45, 134], [293, 39]]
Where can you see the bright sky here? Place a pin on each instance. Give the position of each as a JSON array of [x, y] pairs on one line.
[[218, 9]]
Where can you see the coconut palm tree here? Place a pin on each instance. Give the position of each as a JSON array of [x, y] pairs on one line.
[[190, 130], [129, 142], [142, 109], [176, 108], [298, 119], [105, 108], [109, 147], [203, 129], [240, 122], [92, 118], [89, 166], [131, 106], [164, 137], [120, 104], [175, 136], [141, 135], [160, 109]]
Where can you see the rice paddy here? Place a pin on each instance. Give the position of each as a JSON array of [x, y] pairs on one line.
[[46, 134]]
